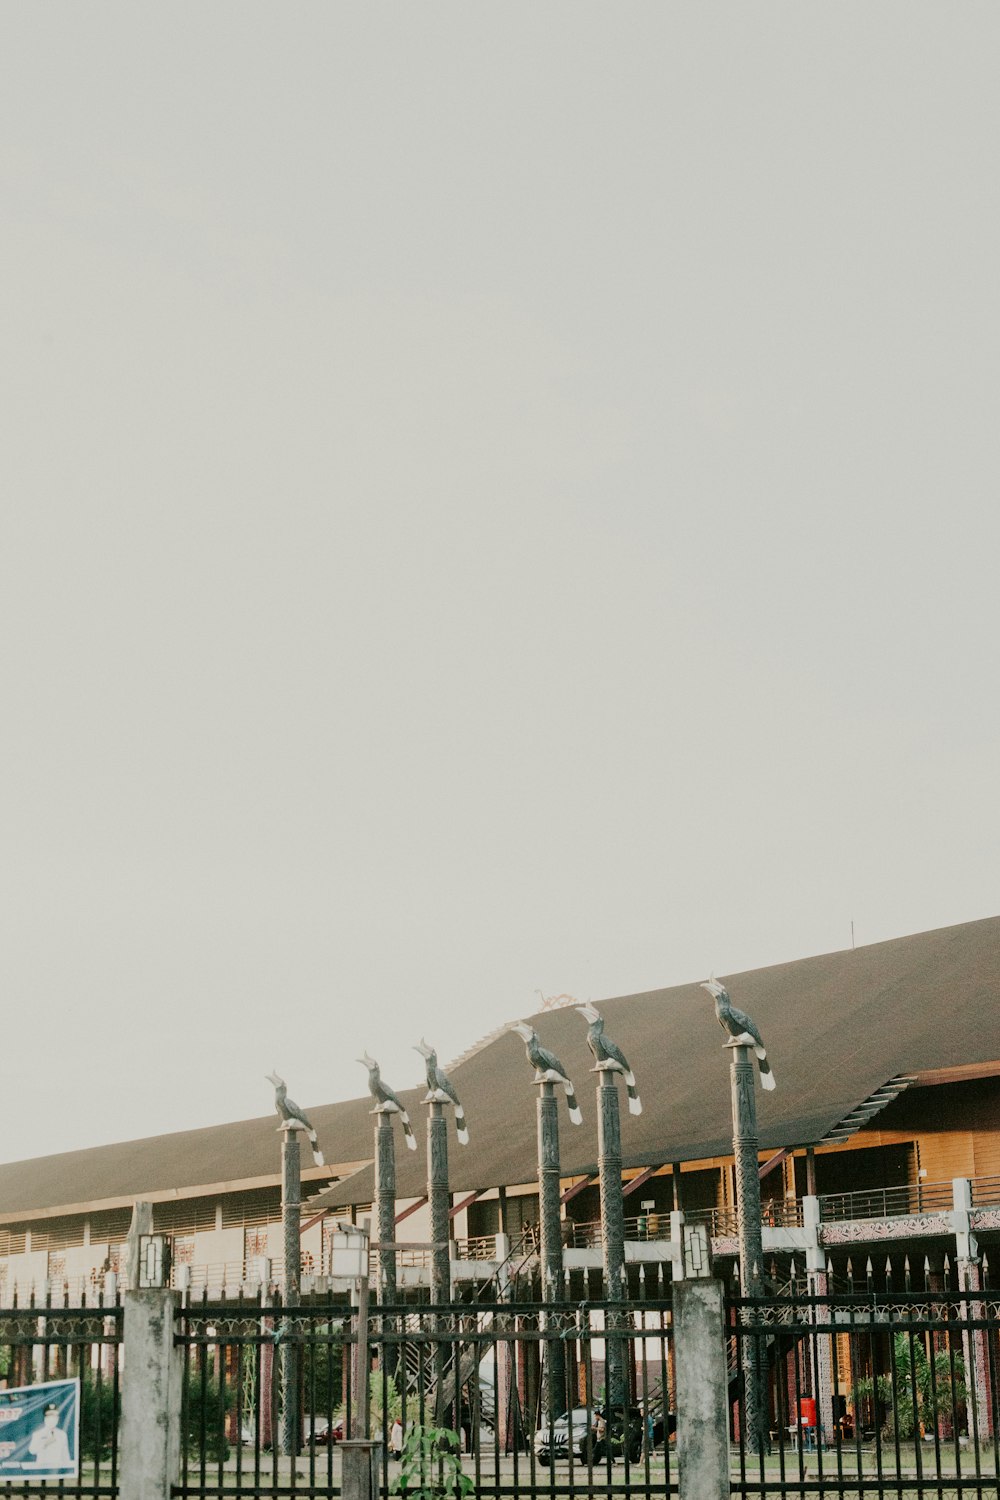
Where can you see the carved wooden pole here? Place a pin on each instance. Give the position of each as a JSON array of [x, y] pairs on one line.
[[385, 1210], [746, 1150], [550, 1207], [609, 1159], [439, 1198], [291, 1216], [385, 1202]]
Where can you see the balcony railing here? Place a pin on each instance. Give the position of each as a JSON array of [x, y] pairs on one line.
[[888, 1203], [778, 1213], [985, 1192]]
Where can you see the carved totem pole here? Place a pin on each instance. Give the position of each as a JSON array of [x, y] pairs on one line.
[[609, 1063], [293, 1121], [549, 1072], [745, 1041]]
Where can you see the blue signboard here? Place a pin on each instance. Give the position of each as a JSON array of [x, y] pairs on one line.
[[40, 1431]]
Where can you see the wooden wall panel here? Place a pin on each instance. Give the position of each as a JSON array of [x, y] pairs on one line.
[[986, 1152], [946, 1154]]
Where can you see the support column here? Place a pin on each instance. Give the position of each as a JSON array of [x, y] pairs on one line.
[[702, 1390], [746, 1150], [150, 1443], [550, 1207], [265, 1394], [385, 1220], [291, 1220], [822, 1364], [609, 1148], [438, 1197], [975, 1350]]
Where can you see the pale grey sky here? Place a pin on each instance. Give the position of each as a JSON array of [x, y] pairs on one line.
[[496, 497]]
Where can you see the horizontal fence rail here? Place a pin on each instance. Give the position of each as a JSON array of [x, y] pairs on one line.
[[519, 1391], [49, 1341], [868, 1394]]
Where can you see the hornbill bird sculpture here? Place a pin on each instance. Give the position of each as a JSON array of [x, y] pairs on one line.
[[547, 1067], [386, 1099], [289, 1113], [739, 1026], [441, 1088], [606, 1051]]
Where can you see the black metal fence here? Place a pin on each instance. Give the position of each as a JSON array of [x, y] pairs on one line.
[[868, 1394], [516, 1395], [42, 1341]]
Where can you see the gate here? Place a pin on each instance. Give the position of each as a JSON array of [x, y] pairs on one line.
[[42, 1341], [470, 1380], [868, 1394]]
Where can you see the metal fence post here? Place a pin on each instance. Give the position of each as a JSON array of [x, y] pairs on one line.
[[702, 1389], [150, 1443]]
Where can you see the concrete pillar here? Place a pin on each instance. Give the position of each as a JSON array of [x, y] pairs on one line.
[[149, 1447], [975, 1350], [360, 1468], [822, 1360], [702, 1387]]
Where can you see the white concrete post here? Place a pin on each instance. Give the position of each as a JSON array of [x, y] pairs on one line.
[[821, 1365], [975, 1349], [702, 1390], [150, 1443]]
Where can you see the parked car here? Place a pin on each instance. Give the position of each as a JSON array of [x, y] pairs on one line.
[[330, 1432], [570, 1432], [620, 1433]]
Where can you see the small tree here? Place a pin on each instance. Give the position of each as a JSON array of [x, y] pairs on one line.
[[939, 1386], [431, 1465]]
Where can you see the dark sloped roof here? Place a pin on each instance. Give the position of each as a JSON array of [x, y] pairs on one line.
[[236, 1155], [836, 1027]]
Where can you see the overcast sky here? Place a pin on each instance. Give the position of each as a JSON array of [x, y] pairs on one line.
[[496, 498]]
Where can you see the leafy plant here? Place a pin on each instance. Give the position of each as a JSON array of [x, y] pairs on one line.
[[384, 1401], [431, 1465], [205, 1407], [939, 1386], [97, 1417], [393, 1404]]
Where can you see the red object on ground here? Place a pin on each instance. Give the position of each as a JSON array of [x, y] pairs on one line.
[[807, 1411]]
